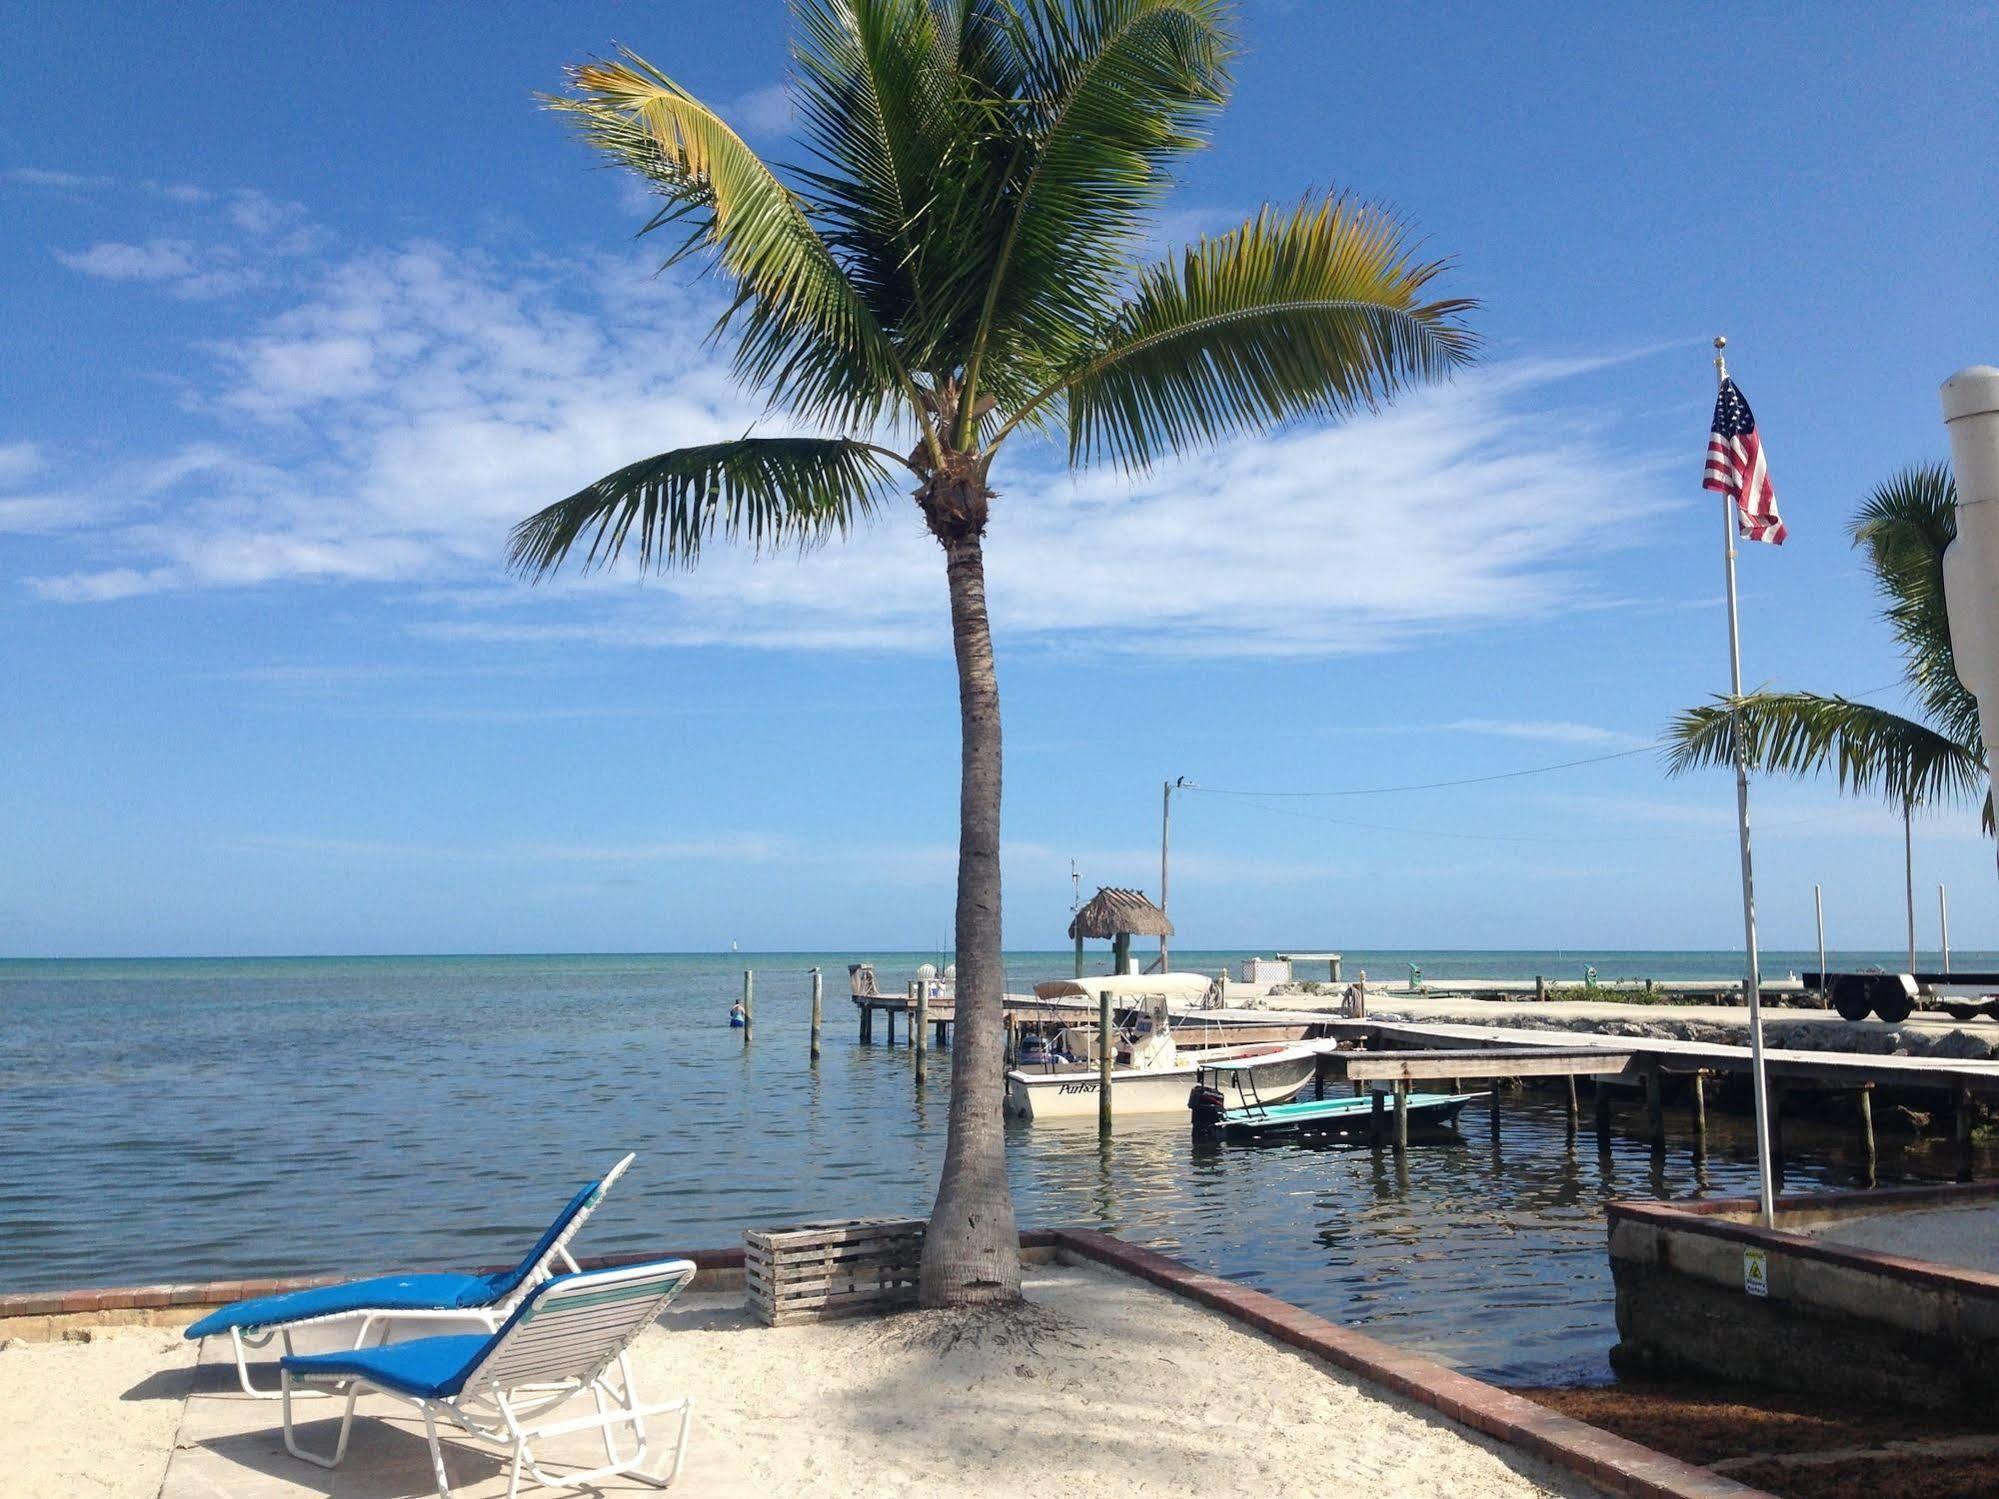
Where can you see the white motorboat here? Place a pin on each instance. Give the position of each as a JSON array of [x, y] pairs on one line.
[[1151, 1072]]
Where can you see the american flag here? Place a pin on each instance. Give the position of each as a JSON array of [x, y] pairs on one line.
[[1735, 467]]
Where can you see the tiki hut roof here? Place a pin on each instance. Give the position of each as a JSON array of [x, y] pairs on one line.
[[1112, 910]]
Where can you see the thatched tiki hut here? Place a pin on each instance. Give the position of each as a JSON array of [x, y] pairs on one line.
[[1117, 915]]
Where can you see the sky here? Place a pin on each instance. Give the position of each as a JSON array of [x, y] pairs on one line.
[[305, 306]]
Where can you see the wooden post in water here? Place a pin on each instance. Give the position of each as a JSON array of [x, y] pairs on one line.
[[1775, 1091], [818, 996], [1964, 1134], [1571, 1114], [1700, 1112], [1374, 1113], [1867, 1129], [1540, 987], [1105, 1052], [1495, 1111], [749, 994], [1655, 1107], [920, 1034], [1401, 1116], [1602, 1091]]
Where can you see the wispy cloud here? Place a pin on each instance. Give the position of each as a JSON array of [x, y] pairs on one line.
[[1550, 731], [413, 403], [729, 848], [50, 177], [764, 111]]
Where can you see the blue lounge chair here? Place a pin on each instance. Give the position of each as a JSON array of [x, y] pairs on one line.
[[503, 1387], [482, 1300]]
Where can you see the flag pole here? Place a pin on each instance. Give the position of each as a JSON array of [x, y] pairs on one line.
[[1753, 977]]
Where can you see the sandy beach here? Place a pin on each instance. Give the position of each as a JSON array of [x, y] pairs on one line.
[[92, 1418], [1105, 1387]]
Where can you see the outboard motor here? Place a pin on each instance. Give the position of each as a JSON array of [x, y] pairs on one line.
[[1207, 1106]]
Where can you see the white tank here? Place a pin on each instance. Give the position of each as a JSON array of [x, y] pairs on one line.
[[1971, 563]]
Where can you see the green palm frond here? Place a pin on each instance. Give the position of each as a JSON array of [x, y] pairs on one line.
[[878, 102], [1114, 90], [804, 333], [1904, 526], [1319, 312], [1868, 749], [771, 492]]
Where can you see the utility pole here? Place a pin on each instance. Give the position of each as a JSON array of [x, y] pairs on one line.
[[1165, 827], [1909, 874]]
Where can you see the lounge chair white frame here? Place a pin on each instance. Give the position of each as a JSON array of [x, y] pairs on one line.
[[563, 1343], [488, 1317]]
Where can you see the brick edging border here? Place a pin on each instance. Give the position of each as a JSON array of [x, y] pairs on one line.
[[210, 1293], [1611, 1462]]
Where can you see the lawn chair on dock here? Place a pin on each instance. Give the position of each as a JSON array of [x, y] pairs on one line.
[[484, 1301], [502, 1387]]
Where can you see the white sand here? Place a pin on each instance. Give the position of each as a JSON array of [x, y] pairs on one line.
[[94, 1418], [1965, 1237], [1122, 1390], [1105, 1389]]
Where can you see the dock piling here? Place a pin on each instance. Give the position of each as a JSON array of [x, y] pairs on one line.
[[1964, 1134], [749, 995], [1700, 1113], [1374, 1118], [1105, 1051], [1572, 1113], [818, 998], [1494, 1120], [1775, 1090], [1602, 1091], [1401, 1116], [1867, 1130], [919, 1032], [1655, 1107]]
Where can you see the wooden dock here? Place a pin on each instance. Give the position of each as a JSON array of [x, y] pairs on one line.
[[1192, 1028], [1402, 1052]]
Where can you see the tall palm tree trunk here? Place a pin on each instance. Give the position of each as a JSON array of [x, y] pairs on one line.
[[971, 1252]]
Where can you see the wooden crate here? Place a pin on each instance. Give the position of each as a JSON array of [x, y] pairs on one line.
[[849, 1268]]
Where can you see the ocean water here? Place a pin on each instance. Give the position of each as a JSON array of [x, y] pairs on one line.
[[192, 1119]]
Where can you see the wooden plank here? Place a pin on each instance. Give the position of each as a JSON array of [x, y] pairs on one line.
[[845, 1243], [837, 1231], [1432, 1066]]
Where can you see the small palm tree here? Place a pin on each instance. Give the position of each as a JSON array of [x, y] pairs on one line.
[[1903, 526], [955, 267]]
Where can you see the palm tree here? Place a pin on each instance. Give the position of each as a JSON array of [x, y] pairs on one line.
[[1903, 526], [954, 266]]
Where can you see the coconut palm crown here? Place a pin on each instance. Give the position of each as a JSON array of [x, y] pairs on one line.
[[956, 263], [1903, 527]]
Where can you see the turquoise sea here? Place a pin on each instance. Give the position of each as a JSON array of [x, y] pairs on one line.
[[185, 1119]]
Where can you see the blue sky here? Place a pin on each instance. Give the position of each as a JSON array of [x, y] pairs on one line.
[[305, 306]]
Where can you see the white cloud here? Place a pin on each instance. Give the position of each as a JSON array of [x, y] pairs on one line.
[[49, 178], [762, 111], [723, 848], [155, 260], [20, 461], [1550, 731], [412, 404], [36, 512]]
